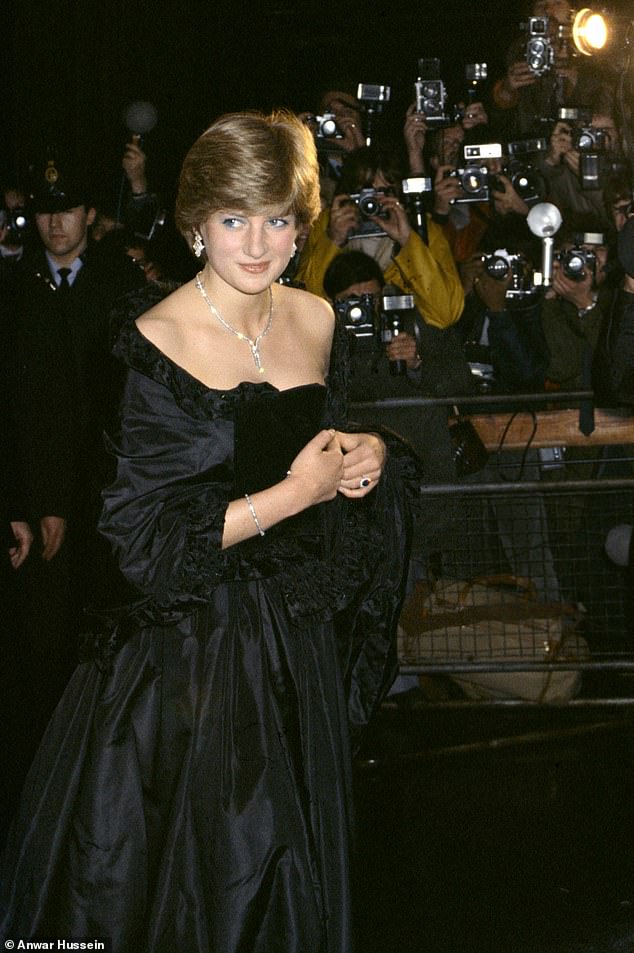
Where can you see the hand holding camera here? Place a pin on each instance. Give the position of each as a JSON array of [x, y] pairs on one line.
[[402, 348], [505, 197], [344, 219], [579, 291], [133, 163], [414, 132], [560, 143], [517, 76], [394, 219], [446, 190]]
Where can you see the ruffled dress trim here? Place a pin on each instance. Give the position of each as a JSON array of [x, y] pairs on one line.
[[318, 562]]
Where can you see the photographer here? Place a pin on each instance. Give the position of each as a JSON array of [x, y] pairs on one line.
[[613, 371], [14, 229], [489, 193], [430, 362], [570, 145], [423, 268], [529, 93], [574, 307], [338, 129], [618, 195], [501, 327]]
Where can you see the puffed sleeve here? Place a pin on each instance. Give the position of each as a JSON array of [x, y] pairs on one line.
[[164, 513]]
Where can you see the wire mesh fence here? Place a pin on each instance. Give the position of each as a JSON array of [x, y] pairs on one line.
[[528, 582]]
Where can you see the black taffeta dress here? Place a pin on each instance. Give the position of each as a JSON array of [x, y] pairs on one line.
[[192, 793]]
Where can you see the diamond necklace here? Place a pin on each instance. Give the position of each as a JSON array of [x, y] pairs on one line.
[[253, 344]]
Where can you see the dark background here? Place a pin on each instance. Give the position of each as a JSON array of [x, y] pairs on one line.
[[71, 68]]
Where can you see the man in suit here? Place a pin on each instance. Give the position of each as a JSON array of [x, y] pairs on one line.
[[57, 304]]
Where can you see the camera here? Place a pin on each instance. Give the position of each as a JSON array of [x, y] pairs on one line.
[[372, 97], [357, 314], [16, 223], [475, 74], [373, 93], [551, 458], [527, 181], [581, 114], [373, 327], [430, 101], [501, 264], [326, 126], [590, 139], [520, 148], [488, 150], [592, 144], [414, 191], [368, 201], [474, 182], [539, 53], [391, 324], [430, 92], [576, 261]]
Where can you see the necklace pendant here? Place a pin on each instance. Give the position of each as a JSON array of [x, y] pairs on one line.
[[255, 344]]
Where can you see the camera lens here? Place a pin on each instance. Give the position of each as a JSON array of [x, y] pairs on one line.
[[497, 267], [574, 266], [327, 127], [585, 141], [473, 180], [369, 205]]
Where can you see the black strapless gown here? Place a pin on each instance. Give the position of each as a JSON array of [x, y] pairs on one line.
[[193, 791]]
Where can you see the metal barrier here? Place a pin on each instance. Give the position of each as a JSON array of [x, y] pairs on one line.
[[529, 598]]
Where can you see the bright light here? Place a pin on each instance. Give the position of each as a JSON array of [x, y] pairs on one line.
[[589, 32], [544, 219]]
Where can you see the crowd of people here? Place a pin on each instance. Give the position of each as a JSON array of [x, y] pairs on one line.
[[378, 264]]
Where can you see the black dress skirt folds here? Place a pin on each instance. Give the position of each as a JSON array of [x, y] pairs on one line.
[[192, 793]]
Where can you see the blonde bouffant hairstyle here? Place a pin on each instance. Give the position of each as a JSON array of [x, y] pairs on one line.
[[252, 163]]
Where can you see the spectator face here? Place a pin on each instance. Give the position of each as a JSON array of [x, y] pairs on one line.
[[606, 123], [558, 10], [65, 234], [149, 268], [381, 182], [450, 145], [371, 287], [622, 209]]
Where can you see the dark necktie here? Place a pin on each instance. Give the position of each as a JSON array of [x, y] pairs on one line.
[[586, 407], [64, 285]]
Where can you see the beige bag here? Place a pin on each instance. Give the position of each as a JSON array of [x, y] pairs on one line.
[[493, 619]]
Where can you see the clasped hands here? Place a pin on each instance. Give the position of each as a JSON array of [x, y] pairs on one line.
[[336, 462]]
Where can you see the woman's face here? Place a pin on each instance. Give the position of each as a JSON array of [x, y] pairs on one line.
[[249, 252]]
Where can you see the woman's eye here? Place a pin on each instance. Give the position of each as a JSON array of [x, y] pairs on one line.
[[278, 222], [232, 222]]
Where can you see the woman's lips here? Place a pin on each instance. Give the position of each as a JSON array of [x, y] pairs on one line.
[[256, 269]]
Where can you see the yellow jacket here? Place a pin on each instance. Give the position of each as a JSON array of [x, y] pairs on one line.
[[428, 272]]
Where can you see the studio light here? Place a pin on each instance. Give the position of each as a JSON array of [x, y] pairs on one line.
[[589, 32]]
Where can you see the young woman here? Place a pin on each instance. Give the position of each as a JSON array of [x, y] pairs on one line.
[[193, 791]]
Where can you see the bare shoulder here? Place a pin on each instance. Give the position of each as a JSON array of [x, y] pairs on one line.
[[160, 323], [309, 309]]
